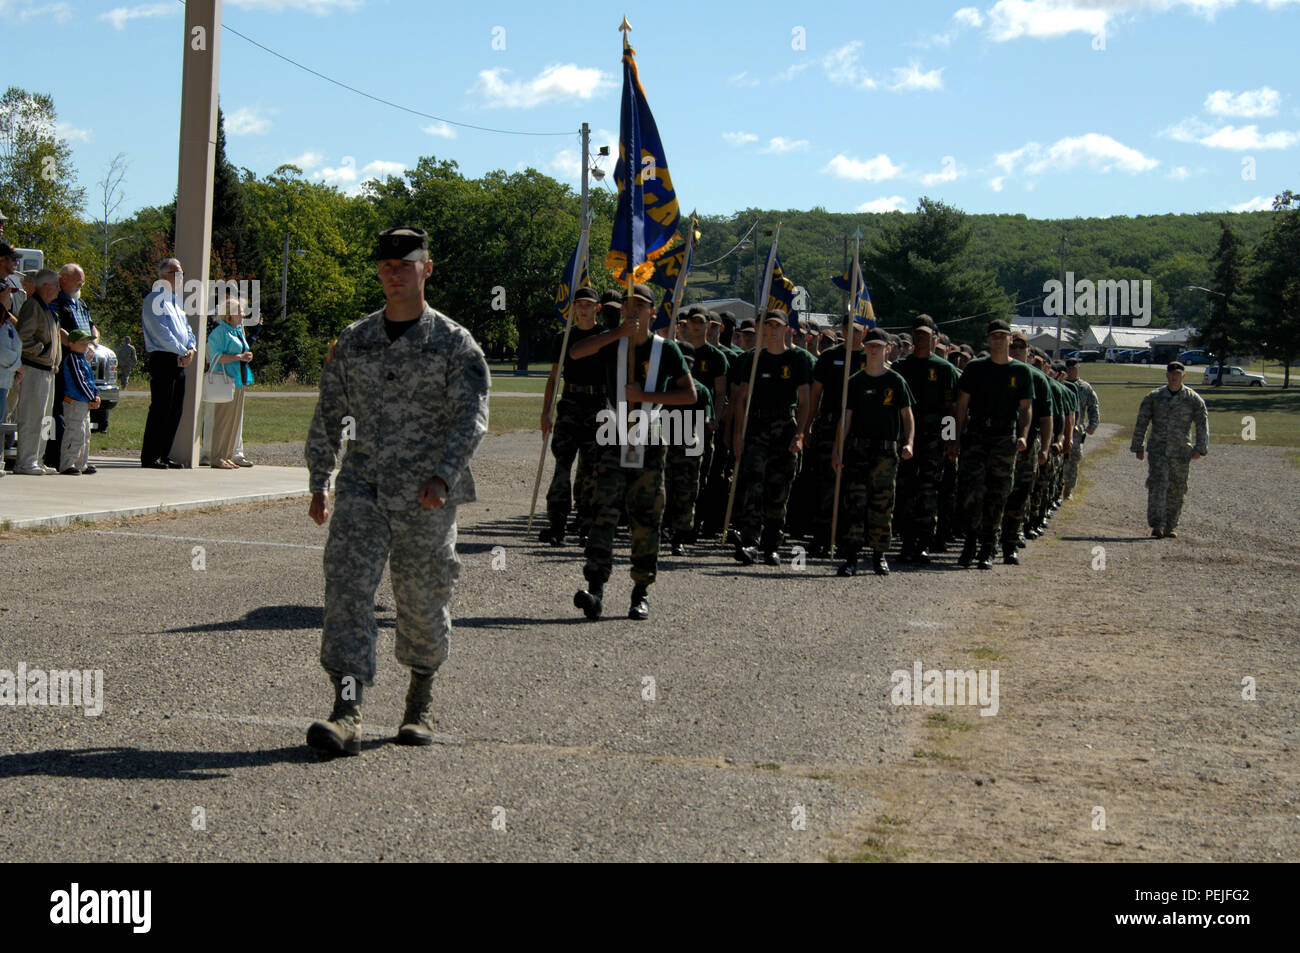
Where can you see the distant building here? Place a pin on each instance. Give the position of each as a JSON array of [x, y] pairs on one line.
[[1100, 337], [1167, 346], [739, 308]]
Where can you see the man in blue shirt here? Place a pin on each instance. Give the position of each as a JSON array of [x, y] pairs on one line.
[[73, 316], [171, 344]]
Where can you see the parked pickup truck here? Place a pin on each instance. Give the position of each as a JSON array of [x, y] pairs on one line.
[[1233, 376]]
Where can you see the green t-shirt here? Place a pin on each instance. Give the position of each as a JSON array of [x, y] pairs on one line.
[[711, 362], [1071, 396], [829, 372], [671, 366], [877, 404], [933, 382], [1041, 403], [779, 377], [581, 372], [996, 390]]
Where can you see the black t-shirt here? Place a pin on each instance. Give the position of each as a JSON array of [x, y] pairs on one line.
[[580, 372], [877, 404], [395, 329], [733, 368], [779, 377], [829, 372], [710, 364], [671, 366], [996, 390], [932, 380]]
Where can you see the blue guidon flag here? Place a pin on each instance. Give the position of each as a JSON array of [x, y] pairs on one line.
[[863, 313], [575, 277], [671, 271], [781, 294], [645, 225]]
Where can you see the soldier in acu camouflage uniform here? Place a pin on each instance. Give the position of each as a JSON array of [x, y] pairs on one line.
[[1170, 411], [685, 457], [408, 388], [620, 481], [575, 423], [1089, 416], [878, 416]]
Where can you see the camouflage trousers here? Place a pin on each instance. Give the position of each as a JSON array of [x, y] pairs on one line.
[[1041, 497], [1166, 487], [951, 524], [988, 462], [767, 470], [919, 480], [419, 547], [825, 429], [1022, 490], [642, 492], [870, 471], [681, 488], [574, 435], [711, 505], [1071, 475]]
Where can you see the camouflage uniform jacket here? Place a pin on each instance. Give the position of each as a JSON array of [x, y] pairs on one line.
[[1089, 404], [420, 407], [1170, 416]]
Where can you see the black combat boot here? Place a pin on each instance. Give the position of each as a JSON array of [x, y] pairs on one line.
[[967, 553], [849, 567], [921, 550], [879, 564], [556, 534], [589, 600], [640, 608], [745, 555], [985, 560], [1010, 553], [418, 721], [342, 733]]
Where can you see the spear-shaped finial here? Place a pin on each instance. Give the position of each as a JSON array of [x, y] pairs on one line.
[[625, 28]]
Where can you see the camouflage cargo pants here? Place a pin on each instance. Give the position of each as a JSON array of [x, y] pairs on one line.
[[642, 492], [1022, 487], [919, 480], [1041, 497], [988, 462], [712, 503], [419, 546], [950, 521], [870, 472], [681, 488], [1166, 487], [1071, 476], [767, 470], [574, 436], [824, 432]]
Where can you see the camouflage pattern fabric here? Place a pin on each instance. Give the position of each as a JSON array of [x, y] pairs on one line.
[[574, 436], [767, 470], [919, 481], [825, 430], [1022, 486], [681, 488], [1166, 487], [988, 462], [951, 525], [1171, 416], [870, 471], [642, 492]]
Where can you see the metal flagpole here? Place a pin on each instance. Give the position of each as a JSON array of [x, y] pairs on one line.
[[844, 386], [753, 374]]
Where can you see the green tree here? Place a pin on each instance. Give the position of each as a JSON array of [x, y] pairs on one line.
[[1274, 283], [37, 177], [1224, 331]]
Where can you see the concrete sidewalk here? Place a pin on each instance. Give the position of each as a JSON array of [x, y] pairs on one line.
[[123, 488]]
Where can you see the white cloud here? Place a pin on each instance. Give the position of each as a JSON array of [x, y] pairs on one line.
[[1012, 19], [1229, 137], [307, 161], [1179, 173], [1093, 151], [968, 16], [894, 203], [1260, 203], [1251, 104], [739, 138], [247, 121], [911, 78], [782, 144], [948, 173], [790, 72], [743, 79], [319, 7], [567, 163], [347, 177], [870, 170], [557, 82], [71, 133], [119, 16], [843, 67], [440, 129]]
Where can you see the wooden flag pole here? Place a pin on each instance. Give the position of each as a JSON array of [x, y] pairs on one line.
[[753, 374], [555, 371], [849, 348]]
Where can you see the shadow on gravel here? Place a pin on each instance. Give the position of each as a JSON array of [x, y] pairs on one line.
[[1109, 539], [272, 618], [508, 622], [136, 763]]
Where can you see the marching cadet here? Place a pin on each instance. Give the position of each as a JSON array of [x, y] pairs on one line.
[[685, 459], [1170, 412], [798, 508], [824, 398], [1035, 454], [710, 369], [768, 446], [630, 468], [1070, 417], [878, 416], [742, 343], [1041, 495], [575, 423], [933, 383], [1089, 407], [993, 407], [409, 388]]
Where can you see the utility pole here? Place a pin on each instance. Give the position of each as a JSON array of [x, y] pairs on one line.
[[586, 144], [284, 282], [1060, 310]]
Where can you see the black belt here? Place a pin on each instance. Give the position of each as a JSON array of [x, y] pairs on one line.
[[585, 390], [39, 367]]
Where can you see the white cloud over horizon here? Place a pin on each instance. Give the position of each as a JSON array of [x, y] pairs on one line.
[[555, 83]]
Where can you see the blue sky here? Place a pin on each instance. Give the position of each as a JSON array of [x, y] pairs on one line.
[[1051, 109]]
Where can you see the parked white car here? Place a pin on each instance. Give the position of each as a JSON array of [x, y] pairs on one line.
[[1233, 375]]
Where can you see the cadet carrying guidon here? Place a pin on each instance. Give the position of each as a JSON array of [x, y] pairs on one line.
[[407, 388]]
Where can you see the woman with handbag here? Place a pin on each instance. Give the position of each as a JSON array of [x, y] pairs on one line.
[[226, 379]]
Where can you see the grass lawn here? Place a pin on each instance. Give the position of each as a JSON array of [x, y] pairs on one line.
[[285, 420]]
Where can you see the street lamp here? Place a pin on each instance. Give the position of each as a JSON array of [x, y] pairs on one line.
[[1218, 378]]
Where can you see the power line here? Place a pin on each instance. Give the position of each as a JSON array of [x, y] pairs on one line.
[[361, 92], [705, 264]]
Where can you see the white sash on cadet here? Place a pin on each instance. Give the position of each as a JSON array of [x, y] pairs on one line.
[[633, 452]]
